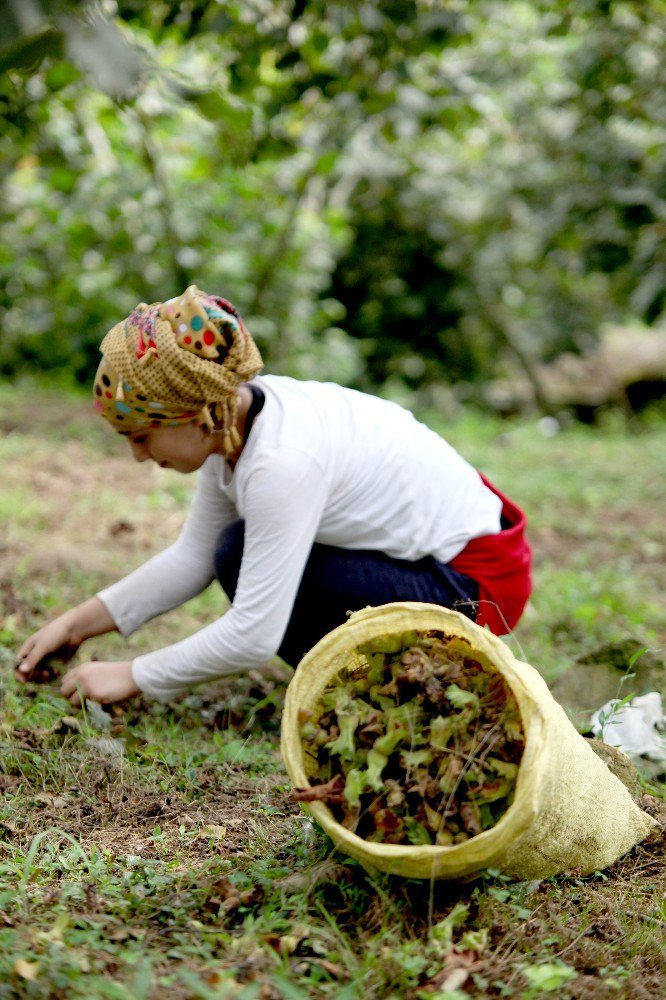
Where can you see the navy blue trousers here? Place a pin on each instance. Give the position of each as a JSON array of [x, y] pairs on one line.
[[336, 581]]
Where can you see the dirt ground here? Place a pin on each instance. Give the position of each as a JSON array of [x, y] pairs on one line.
[[82, 514]]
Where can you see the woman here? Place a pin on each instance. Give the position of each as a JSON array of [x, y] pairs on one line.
[[312, 501]]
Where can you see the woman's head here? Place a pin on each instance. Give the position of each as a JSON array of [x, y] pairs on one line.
[[182, 447], [172, 362]]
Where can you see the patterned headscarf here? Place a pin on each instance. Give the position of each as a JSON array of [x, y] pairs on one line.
[[170, 362]]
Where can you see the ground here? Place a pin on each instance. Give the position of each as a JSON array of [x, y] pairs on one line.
[[152, 851]]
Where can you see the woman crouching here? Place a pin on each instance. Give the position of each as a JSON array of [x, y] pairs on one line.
[[312, 501]]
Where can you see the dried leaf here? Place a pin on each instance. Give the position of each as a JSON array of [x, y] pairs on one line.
[[212, 832], [25, 969], [66, 725], [387, 821], [456, 971], [401, 748], [469, 812], [330, 792]]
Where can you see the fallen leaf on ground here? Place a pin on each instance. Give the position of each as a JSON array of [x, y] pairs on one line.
[[333, 970], [456, 971], [67, 724], [283, 944], [108, 747], [25, 969], [212, 832]]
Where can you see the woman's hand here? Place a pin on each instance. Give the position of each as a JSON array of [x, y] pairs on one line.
[[103, 681], [57, 641], [60, 639]]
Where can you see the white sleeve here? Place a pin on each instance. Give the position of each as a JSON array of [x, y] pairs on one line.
[[284, 502], [179, 572]]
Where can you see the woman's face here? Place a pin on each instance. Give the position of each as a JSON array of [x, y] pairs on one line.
[[184, 448]]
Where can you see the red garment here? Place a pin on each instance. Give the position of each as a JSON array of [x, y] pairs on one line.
[[500, 564]]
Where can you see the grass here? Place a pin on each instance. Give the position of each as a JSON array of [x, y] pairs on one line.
[[151, 851]]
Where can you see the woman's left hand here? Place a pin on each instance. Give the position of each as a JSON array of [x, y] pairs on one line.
[[103, 681]]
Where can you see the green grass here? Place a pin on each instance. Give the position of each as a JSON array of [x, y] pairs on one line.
[[153, 852]]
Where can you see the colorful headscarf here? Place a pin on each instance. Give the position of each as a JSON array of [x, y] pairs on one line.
[[170, 362]]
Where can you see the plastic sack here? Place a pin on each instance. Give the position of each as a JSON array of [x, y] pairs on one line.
[[634, 727], [569, 811]]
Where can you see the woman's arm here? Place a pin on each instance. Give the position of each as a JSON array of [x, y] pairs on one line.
[[163, 582], [284, 504], [181, 571]]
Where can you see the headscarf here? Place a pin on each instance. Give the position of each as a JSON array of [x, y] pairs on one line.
[[172, 361]]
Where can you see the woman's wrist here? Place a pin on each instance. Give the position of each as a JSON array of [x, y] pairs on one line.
[[88, 620]]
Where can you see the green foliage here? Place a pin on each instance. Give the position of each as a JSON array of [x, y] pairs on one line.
[[393, 193], [549, 977]]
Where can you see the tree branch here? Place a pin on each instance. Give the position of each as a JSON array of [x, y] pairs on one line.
[[167, 210]]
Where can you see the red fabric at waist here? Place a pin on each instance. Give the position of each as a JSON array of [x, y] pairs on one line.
[[501, 565]]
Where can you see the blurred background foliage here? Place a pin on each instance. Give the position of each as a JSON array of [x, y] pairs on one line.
[[397, 194]]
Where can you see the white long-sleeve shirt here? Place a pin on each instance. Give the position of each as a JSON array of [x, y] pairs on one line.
[[322, 463]]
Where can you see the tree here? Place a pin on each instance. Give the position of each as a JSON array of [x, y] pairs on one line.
[[391, 190]]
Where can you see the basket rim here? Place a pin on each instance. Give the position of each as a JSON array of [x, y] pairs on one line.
[[321, 664]]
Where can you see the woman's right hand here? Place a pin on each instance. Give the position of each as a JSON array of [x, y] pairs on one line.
[[60, 639], [55, 641]]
